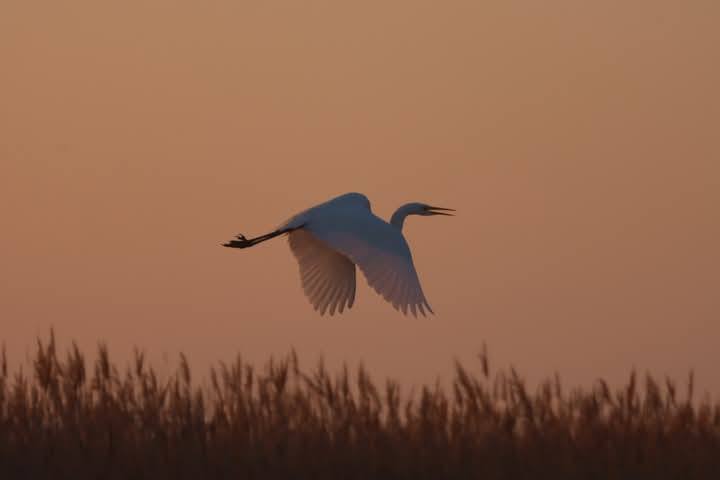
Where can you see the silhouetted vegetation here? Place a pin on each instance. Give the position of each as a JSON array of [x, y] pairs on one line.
[[69, 419]]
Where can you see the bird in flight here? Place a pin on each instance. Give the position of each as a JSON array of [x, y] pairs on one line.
[[330, 239]]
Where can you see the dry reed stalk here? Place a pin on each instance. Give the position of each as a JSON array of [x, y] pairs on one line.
[[282, 421]]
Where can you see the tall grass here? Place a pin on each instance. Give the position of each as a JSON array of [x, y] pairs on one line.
[[75, 420]]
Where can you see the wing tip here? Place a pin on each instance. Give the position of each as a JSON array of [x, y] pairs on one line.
[[427, 305]]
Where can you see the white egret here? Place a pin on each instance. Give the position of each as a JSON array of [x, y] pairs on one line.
[[329, 239]]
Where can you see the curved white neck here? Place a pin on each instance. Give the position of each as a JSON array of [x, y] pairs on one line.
[[398, 218]]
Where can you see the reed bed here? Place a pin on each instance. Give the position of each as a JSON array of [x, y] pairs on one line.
[[70, 419]]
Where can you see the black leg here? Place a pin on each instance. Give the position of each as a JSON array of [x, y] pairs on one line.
[[242, 242]]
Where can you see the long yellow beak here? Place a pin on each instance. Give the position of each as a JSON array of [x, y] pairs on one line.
[[441, 211]]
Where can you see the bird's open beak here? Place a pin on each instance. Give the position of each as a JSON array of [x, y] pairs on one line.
[[440, 211]]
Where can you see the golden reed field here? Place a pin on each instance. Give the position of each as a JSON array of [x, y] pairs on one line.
[[70, 418]]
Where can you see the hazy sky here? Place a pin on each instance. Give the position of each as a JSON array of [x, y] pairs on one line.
[[579, 141]]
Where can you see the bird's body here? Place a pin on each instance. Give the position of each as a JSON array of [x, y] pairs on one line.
[[328, 240]]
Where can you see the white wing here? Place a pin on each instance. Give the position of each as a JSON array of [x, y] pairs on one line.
[[378, 248], [328, 277]]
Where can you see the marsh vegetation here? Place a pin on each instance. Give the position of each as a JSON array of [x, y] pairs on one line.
[[71, 418]]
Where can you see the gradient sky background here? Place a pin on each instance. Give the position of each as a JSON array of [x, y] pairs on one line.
[[580, 142]]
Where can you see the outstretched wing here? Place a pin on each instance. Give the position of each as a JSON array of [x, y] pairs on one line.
[[380, 251], [328, 277]]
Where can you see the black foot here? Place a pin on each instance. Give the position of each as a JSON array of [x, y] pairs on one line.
[[241, 242]]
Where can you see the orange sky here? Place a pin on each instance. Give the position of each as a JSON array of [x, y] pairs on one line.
[[578, 140]]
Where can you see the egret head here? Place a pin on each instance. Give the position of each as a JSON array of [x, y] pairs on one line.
[[428, 210], [422, 209]]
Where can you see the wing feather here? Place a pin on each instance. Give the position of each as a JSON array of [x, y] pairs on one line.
[[378, 249], [327, 276], [339, 295], [329, 297]]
